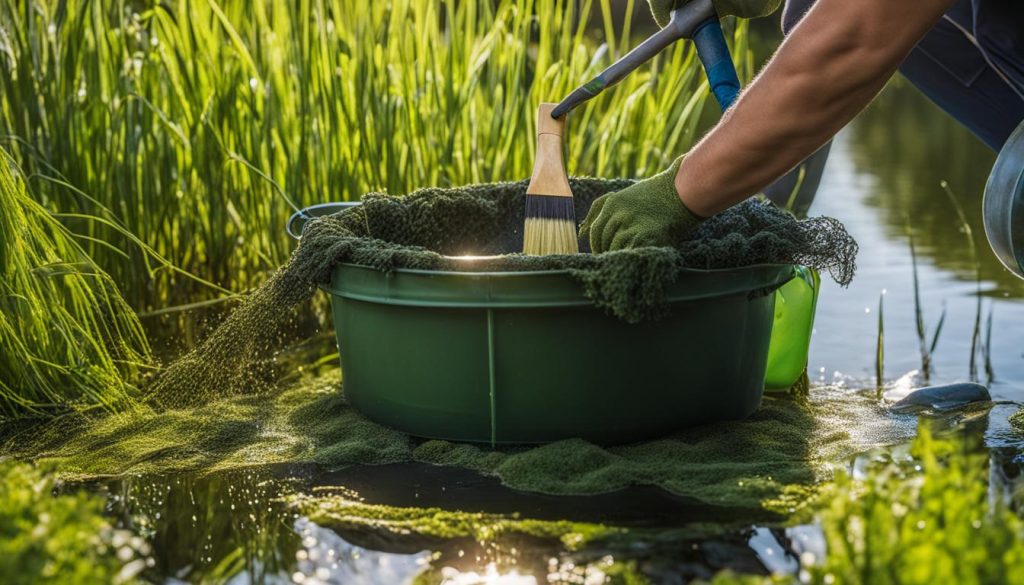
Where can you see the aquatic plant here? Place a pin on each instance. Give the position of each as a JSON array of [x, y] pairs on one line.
[[926, 520], [48, 538], [986, 346], [923, 519], [880, 346], [927, 349], [69, 339], [201, 125]]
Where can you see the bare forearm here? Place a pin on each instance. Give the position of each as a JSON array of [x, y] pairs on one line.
[[824, 74]]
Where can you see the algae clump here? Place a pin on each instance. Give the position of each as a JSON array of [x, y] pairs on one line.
[[741, 464], [340, 512]]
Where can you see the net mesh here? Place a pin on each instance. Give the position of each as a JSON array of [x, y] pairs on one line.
[[428, 228]]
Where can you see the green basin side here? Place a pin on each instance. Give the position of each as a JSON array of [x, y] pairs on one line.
[[525, 357]]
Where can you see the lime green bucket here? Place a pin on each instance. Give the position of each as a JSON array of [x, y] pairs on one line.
[[525, 357], [795, 304]]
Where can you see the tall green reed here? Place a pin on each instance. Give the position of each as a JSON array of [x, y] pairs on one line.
[[927, 349], [880, 347], [199, 125], [69, 339]]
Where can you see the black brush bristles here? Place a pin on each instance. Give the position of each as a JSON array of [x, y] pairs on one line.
[[550, 226]]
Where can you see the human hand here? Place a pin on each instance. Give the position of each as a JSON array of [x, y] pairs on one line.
[[647, 213]]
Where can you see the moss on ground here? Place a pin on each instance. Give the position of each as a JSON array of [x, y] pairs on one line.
[[785, 445]]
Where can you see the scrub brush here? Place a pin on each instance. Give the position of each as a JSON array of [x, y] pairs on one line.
[[550, 216]]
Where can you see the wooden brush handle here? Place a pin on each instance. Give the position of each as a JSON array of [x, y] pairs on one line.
[[549, 176]]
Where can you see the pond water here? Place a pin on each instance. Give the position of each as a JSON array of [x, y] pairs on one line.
[[884, 173]]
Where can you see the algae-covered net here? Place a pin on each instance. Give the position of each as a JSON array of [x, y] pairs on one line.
[[221, 405], [428, 229]]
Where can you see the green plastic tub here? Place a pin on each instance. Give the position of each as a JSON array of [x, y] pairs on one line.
[[525, 357]]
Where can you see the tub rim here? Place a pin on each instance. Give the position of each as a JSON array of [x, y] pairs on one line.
[[414, 287]]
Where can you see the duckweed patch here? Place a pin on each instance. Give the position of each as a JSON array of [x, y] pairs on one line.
[[743, 464]]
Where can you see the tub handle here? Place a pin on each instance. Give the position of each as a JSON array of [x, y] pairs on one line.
[[297, 222]]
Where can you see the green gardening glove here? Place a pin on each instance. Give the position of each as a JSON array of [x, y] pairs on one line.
[[739, 8], [648, 213]]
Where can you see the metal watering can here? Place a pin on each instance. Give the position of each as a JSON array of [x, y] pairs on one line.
[[1003, 205]]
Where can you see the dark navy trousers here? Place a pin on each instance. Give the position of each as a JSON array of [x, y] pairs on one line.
[[971, 64]]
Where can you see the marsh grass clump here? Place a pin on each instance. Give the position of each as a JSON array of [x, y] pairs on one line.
[[69, 339]]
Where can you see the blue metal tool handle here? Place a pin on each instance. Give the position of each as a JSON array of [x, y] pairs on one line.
[[695, 20], [714, 55]]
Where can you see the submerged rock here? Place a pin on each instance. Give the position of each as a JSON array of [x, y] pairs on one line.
[[945, 397]]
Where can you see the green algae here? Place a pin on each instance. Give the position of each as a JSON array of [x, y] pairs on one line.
[[425, 229], [342, 512], [742, 464], [308, 422]]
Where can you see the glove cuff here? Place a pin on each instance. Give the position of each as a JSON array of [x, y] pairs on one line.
[[662, 9], [685, 219]]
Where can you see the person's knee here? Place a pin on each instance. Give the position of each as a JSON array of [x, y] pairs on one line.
[[794, 13]]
